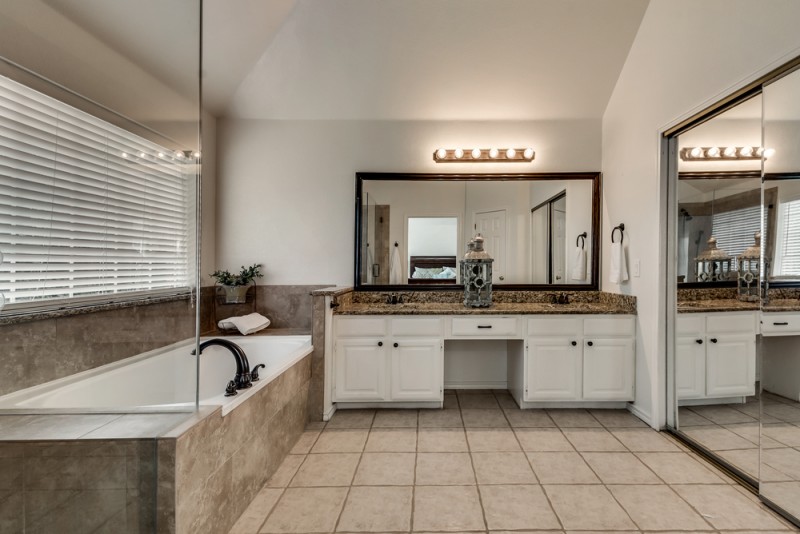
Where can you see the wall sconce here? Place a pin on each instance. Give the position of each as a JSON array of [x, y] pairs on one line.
[[722, 153], [478, 155]]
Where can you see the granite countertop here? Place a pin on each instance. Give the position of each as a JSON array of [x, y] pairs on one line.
[[725, 305], [498, 308], [715, 305]]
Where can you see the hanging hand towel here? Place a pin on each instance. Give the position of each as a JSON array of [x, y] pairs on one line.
[[579, 265], [246, 324], [395, 267], [619, 271]]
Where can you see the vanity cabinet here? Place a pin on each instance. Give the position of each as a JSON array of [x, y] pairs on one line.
[[378, 359], [572, 358], [716, 355]]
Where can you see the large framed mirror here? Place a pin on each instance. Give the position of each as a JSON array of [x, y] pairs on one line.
[[541, 229]]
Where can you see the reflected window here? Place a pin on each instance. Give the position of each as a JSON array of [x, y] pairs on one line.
[[787, 254]]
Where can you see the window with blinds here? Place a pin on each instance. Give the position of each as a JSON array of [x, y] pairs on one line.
[[735, 229], [87, 209], [788, 240]]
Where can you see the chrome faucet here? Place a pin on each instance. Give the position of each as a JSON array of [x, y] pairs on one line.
[[242, 380]]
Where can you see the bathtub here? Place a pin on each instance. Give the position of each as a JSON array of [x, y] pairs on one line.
[[163, 380]]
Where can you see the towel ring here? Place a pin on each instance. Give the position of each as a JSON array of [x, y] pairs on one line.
[[621, 229], [580, 241]]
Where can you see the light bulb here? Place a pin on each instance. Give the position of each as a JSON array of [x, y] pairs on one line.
[[124, 154], [141, 154], [441, 153], [768, 153], [696, 152], [493, 153], [476, 153], [196, 154], [179, 154], [729, 152], [528, 153], [459, 153], [712, 152], [759, 151], [746, 151], [160, 154], [511, 153]]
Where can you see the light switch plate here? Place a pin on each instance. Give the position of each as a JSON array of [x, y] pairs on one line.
[[637, 267]]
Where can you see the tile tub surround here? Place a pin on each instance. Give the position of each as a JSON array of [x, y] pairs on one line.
[[38, 351], [285, 306], [402, 471], [209, 472], [78, 486]]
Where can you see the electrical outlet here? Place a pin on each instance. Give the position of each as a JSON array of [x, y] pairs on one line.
[[637, 267]]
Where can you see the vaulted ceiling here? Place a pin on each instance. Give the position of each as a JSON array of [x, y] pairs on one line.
[[364, 59]]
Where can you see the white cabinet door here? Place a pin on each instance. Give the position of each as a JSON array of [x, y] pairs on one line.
[[417, 369], [730, 365], [690, 366], [360, 370], [554, 369], [608, 369]]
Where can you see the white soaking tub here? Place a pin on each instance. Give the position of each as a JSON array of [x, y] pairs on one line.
[[163, 380]]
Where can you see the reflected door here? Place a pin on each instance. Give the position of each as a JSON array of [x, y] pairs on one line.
[[559, 240], [492, 226]]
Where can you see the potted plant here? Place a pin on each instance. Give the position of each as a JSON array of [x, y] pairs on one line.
[[235, 286]]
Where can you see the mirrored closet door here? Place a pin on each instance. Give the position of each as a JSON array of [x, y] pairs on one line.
[[780, 319]]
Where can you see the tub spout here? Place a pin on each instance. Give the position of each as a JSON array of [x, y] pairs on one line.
[[242, 379]]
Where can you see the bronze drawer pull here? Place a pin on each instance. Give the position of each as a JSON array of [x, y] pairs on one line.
[[484, 326]]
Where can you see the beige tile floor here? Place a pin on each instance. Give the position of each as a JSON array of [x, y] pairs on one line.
[[732, 432], [483, 465]]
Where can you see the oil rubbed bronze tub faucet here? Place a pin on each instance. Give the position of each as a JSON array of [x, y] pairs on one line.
[[242, 380]]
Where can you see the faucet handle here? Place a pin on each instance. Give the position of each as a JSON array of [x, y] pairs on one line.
[[254, 373], [230, 389]]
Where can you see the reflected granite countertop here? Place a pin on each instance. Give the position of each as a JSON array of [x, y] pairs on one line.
[[715, 305], [782, 305], [500, 308]]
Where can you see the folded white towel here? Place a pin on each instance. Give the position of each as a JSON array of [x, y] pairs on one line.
[[579, 265], [619, 271], [246, 324], [395, 267]]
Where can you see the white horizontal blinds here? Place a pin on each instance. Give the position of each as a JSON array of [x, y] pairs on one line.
[[735, 229], [86, 208], [789, 235]]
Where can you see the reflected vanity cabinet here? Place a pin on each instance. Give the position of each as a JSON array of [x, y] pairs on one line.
[[580, 358], [379, 359], [715, 355]]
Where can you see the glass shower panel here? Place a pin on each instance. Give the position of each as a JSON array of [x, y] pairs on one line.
[[780, 319], [717, 214], [99, 180]]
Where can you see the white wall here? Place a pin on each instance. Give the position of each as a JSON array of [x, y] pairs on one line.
[[286, 189], [687, 54]]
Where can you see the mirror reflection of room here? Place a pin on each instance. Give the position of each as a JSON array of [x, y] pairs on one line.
[[780, 327], [536, 231], [718, 218]]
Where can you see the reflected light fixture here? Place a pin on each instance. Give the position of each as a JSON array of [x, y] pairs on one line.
[[476, 155], [729, 153]]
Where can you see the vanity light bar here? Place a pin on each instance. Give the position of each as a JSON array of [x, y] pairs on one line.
[[477, 155], [725, 153]]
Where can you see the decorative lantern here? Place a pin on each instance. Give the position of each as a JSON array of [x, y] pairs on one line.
[[476, 275], [747, 281], [713, 264]]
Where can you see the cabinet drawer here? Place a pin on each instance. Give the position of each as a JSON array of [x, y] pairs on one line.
[[780, 324], [417, 327], [609, 325], [554, 326], [361, 326], [731, 323], [485, 327], [691, 324]]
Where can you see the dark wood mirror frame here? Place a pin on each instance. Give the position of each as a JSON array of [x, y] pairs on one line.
[[594, 267]]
